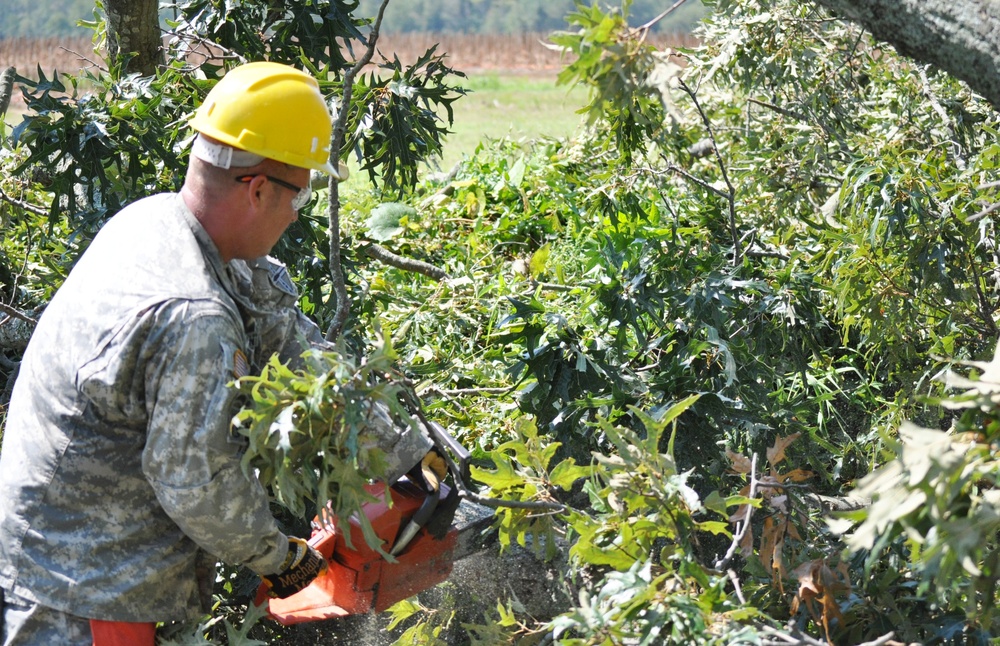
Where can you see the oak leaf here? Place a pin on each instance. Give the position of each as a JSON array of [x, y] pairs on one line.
[[776, 453], [741, 463]]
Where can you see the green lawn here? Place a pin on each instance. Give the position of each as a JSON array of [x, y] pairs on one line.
[[511, 106]]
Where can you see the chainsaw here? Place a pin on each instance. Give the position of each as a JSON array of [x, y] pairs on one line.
[[358, 579]]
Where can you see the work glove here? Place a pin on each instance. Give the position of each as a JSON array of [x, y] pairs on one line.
[[303, 564], [431, 471]]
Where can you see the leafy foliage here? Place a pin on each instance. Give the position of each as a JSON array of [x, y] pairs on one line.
[[401, 126], [694, 326], [938, 496], [310, 435], [276, 31], [98, 153]]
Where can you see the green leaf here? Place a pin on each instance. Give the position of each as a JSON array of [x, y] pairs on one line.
[[516, 174], [567, 472], [715, 527], [503, 477], [538, 261], [239, 637], [401, 611], [384, 223]]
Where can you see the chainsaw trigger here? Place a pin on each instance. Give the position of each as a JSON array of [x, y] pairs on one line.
[[417, 522]]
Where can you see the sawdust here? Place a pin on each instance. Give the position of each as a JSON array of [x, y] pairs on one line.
[[478, 582], [357, 630]]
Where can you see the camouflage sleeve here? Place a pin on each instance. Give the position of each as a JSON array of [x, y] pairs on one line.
[[275, 296], [190, 457]]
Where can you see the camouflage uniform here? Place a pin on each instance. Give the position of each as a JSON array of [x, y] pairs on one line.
[[119, 475], [31, 623]]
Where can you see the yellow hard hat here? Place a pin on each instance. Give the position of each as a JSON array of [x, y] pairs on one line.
[[272, 110]]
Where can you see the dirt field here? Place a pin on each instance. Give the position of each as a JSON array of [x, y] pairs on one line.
[[518, 54]]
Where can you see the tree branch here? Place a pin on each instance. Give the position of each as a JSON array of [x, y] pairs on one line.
[[11, 312], [6, 89], [21, 204], [337, 141], [741, 530], [383, 255], [731, 197]]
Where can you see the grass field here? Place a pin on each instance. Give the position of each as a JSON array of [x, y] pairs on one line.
[[513, 106]]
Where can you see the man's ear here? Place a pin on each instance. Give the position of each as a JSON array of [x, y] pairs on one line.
[[255, 190]]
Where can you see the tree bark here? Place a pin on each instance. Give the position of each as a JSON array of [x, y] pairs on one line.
[[134, 28], [961, 37], [6, 89]]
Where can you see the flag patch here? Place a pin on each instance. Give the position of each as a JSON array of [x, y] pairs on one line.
[[241, 367]]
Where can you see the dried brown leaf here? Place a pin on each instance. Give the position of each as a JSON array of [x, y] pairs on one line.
[[746, 544], [796, 475], [741, 463], [794, 532], [778, 563], [768, 538], [776, 453]]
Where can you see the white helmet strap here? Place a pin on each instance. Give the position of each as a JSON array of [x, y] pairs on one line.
[[223, 156]]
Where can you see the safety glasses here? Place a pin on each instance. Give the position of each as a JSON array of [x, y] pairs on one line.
[[303, 195]]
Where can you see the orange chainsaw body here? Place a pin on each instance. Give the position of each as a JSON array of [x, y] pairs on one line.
[[358, 579]]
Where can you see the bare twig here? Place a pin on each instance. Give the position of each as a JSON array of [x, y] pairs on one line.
[[21, 204], [337, 140], [780, 110], [768, 254], [881, 641], [795, 637], [731, 196], [497, 503], [736, 586], [84, 58], [982, 214], [742, 528], [644, 29], [700, 182], [985, 307], [197, 46], [10, 311], [943, 115]]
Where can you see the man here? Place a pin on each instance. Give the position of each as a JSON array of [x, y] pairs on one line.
[[120, 483]]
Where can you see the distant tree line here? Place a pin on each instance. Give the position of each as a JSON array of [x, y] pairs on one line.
[[30, 18], [34, 19]]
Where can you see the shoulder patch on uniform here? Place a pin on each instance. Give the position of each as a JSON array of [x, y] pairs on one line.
[[281, 279], [241, 367]]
